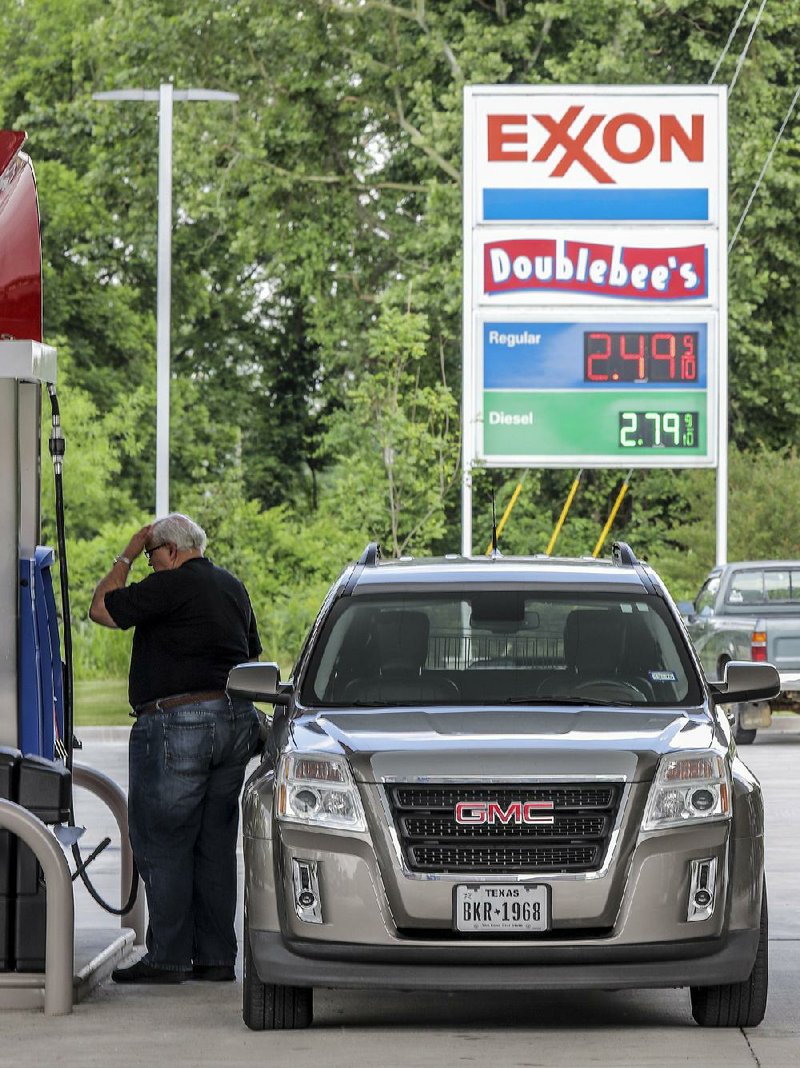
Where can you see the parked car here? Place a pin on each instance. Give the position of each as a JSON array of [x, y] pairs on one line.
[[502, 774], [749, 611]]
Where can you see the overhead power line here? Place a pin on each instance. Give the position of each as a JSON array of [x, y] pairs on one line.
[[728, 43], [744, 52], [767, 162]]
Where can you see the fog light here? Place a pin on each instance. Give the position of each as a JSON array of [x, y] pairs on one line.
[[702, 886], [305, 881]]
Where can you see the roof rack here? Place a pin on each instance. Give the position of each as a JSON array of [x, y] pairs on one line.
[[623, 555], [371, 555]]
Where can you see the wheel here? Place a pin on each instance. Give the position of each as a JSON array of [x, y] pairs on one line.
[[737, 1004], [267, 1007], [742, 736]]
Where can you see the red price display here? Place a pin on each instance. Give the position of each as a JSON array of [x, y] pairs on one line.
[[658, 356]]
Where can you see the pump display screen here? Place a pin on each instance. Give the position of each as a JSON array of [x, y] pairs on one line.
[[617, 356]]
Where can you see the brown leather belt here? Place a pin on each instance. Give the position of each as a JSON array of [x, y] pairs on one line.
[[165, 703]]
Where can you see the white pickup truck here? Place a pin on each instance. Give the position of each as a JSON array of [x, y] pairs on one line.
[[749, 611]]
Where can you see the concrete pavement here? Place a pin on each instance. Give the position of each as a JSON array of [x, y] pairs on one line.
[[200, 1024]]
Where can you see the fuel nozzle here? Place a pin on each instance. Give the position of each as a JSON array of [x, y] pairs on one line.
[[57, 443]]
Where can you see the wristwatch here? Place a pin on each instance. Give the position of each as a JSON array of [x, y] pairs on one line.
[[122, 559]]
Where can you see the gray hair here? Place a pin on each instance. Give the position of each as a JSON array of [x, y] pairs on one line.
[[179, 529]]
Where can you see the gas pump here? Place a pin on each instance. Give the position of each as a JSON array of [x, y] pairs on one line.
[[36, 725]]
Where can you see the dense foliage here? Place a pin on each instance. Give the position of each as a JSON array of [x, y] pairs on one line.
[[317, 277]]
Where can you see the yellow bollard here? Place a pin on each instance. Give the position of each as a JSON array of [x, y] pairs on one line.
[[506, 514], [613, 515], [564, 510]]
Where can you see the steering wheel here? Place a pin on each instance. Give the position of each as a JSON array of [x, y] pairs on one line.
[[609, 688]]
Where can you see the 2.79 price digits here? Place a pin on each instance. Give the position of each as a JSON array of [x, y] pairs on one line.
[[658, 356], [659, 430]]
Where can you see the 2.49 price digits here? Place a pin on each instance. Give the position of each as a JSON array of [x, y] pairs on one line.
[[666, 430], [620, 356]]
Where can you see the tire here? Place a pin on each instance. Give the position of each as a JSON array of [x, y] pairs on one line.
[[267, 1007], [742, 736], [737, 1004]]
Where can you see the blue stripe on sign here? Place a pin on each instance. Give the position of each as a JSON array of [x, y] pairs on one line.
[[588, 204]]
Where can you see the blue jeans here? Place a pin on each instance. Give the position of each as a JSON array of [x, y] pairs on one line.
[[186, 767]]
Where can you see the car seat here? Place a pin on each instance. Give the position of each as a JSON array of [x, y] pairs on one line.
[[401, 642]]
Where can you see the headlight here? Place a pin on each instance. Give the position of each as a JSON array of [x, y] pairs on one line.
[[688, 788], [319, 792]]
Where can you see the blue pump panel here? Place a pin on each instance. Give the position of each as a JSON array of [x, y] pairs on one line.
[[41, 698]]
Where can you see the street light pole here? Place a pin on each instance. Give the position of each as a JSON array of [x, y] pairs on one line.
[[165, 95]]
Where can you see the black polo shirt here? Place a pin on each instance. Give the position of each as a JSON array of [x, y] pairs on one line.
[[193, 624]]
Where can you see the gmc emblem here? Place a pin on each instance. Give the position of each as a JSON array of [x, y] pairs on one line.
[[468, 812]]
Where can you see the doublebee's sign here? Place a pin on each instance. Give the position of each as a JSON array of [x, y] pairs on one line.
[[608, 269]]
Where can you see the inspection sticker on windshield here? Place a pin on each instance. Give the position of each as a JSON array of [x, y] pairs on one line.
[[501, 907], [661, 676]]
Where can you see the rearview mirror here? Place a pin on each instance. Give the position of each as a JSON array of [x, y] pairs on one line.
[[257, 682], [745, 681]]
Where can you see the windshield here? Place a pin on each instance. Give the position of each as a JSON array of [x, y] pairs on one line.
[[499, 647]]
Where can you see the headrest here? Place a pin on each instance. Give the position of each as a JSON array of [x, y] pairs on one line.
[[402, 640], [594, 640]]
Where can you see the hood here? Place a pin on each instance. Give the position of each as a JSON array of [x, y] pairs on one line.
[[503, 742]]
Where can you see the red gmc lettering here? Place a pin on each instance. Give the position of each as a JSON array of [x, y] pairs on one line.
[[470, 812], [497, 814], [493, 812], [506, 130]]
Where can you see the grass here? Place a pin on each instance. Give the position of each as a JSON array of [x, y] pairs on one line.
[[102, 702]]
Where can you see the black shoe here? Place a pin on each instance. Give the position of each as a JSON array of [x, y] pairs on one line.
[[142, 972], [214, 973]]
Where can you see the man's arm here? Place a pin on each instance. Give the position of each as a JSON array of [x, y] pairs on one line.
[[116, 579]]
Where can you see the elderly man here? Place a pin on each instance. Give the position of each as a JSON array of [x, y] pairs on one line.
[[188, 747]]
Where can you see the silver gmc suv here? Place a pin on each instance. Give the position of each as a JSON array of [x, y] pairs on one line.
[[502, 773]]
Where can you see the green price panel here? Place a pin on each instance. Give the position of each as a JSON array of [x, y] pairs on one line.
[[626, 423]]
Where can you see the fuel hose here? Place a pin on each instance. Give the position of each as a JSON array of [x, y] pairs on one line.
[[57, 446]]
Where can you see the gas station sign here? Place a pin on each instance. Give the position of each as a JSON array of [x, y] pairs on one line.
[[595, 267]]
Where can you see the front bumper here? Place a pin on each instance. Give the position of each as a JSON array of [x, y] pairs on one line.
[[705, 962]]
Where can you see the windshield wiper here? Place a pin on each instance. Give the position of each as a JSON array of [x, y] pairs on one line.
[[380, 704], [534, 700]]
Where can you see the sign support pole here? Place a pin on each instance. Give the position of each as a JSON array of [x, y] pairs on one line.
[[722, 428]]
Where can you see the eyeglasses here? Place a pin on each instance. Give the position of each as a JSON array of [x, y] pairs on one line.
[[149, 552]]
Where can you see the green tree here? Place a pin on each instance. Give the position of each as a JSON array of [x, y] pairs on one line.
[[396, 443]]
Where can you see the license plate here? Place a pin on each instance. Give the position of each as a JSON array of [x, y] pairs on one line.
[[501, 907]]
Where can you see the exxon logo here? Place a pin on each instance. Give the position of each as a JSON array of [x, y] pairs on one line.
[[625, 138], [492, 812]]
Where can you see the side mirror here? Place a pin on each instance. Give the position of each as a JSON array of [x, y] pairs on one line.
[[745, 681], [686, 608], [257, 682]]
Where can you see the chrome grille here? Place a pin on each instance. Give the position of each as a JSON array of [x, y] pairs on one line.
[[439, 827], [518, 858], [432, 841]]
